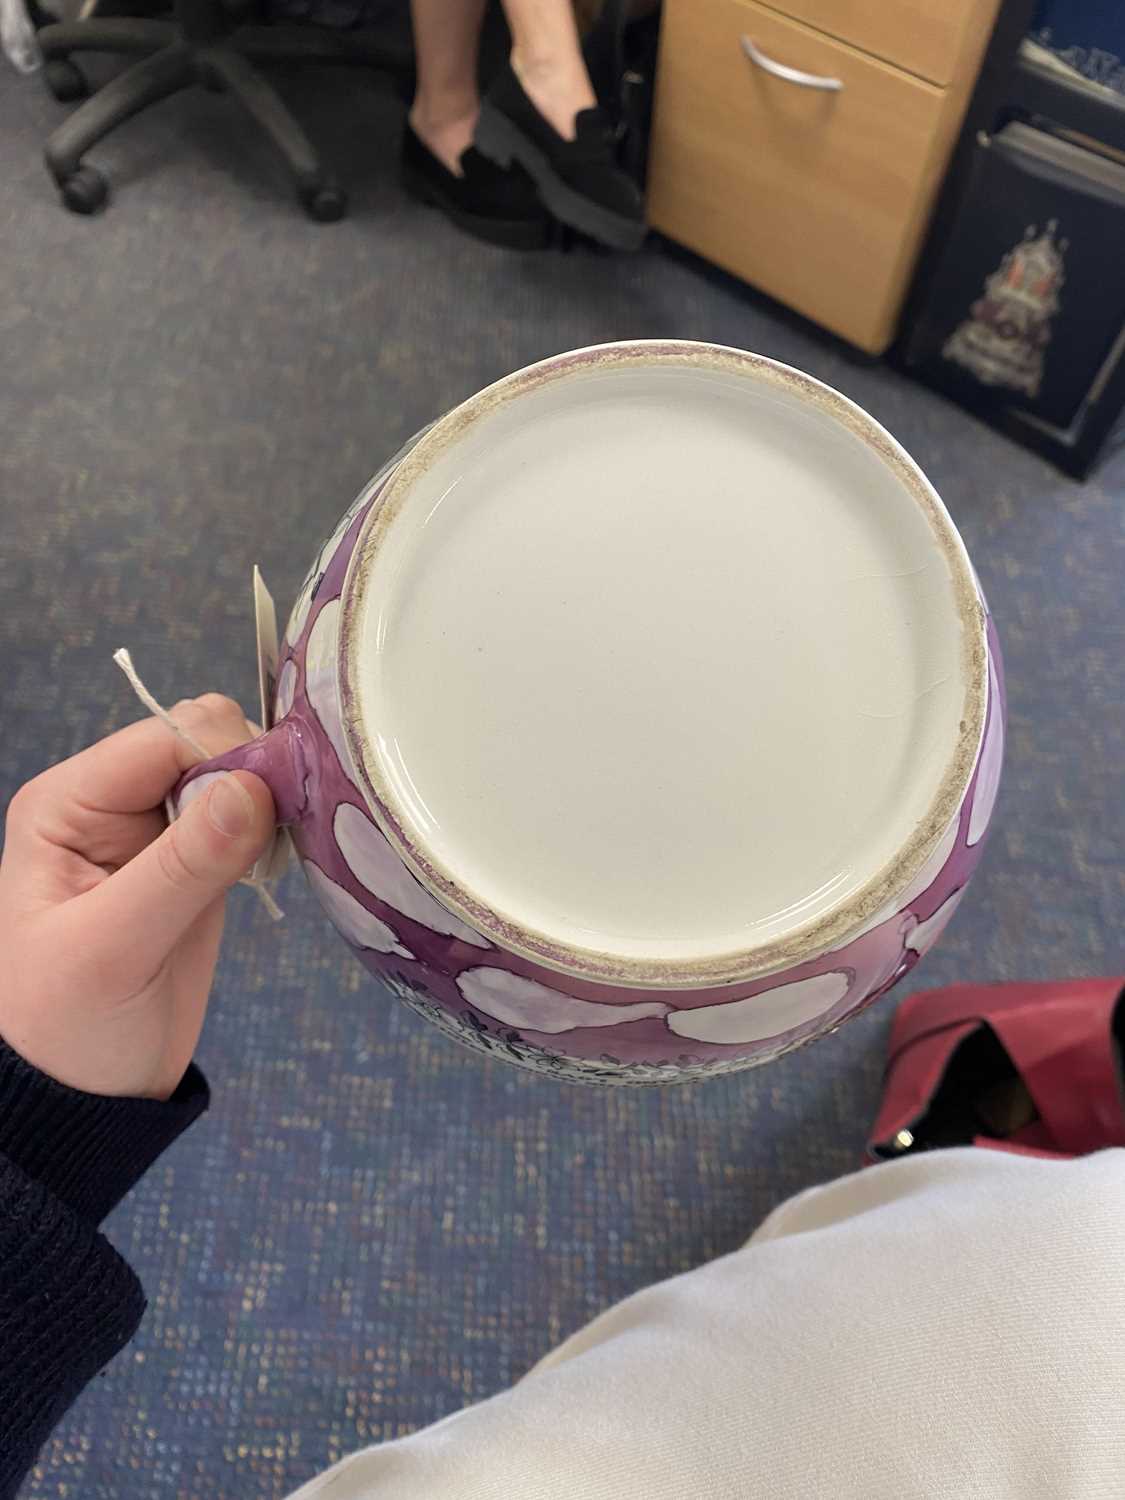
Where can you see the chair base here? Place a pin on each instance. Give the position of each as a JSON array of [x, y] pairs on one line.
[[197, 47]]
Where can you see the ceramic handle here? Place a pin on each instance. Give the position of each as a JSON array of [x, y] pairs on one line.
[[278, 757], [790, 75]]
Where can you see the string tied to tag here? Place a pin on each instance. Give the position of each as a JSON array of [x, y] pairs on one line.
[[256, 880], [125, 662]]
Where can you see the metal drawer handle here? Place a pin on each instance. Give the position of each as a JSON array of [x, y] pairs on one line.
[[790, 75]]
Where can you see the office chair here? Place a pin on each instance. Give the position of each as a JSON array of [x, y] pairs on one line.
[[205, 43]]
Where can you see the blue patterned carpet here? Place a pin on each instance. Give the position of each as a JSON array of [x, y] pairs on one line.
[[372, 1228]]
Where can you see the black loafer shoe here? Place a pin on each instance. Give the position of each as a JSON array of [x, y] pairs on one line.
[[579, 180], [499, 206]]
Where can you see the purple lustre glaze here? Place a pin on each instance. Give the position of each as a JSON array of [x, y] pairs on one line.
[[502, 1002]]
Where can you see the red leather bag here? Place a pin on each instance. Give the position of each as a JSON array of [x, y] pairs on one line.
[[1033, 1068]]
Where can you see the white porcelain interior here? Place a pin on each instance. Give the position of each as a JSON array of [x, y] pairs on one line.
[[661, 661]]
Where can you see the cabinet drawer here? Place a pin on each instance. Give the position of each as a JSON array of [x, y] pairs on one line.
[[817, 197], [924, 36]]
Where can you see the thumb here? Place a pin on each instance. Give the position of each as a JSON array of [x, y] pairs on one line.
[[146, 906]]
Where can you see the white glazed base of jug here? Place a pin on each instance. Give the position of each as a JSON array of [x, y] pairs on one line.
[[660, 661]]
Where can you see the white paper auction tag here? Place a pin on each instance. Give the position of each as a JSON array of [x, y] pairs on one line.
[[273, 862], [265, 630]]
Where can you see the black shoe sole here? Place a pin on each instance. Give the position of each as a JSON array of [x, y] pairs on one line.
[[503, 142], [512, 234]]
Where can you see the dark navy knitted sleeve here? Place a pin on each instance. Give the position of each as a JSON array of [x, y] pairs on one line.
[[68, 1302]]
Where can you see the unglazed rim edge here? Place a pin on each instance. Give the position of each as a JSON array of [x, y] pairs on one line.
[[831, 929]]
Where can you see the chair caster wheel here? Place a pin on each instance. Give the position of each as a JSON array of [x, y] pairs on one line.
[[85, 191], [325, 203], [64, 80]]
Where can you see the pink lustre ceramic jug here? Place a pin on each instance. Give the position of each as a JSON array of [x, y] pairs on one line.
[[642, 719]]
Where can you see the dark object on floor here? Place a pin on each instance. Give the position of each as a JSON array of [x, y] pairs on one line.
[[202, 44], [1029, 1067], [579, 181], [497, 205], [1018, 311]]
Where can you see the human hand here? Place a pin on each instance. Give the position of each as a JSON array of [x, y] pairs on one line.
[[110, 921]]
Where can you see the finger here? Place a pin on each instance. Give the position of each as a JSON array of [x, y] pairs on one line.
[[196, 954], [138, 915], [129, 772], [121, 836], [112, 839], [137, 767], [99, 804]]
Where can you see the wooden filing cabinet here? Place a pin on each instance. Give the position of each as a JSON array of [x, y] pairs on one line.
[[801, 145]]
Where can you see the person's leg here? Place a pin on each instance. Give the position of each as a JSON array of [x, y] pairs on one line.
[[541, 112], [547, 60], [446, 100], [439, 166]]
